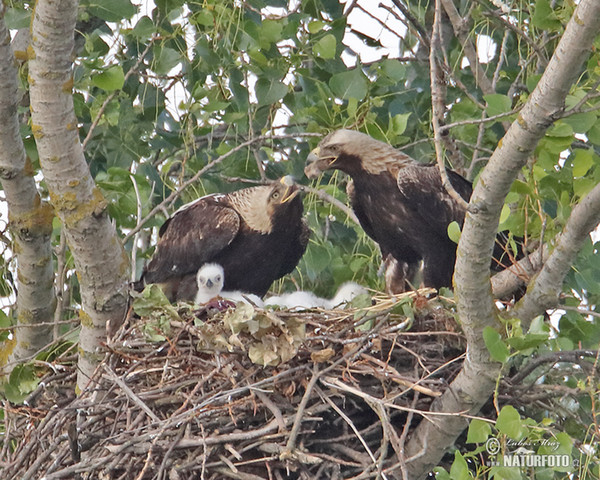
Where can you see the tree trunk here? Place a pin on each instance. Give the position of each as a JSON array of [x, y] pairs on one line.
[[100, 260], [30, 219], [476, 381]]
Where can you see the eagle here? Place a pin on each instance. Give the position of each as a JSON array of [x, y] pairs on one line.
[[256, 234], [400, 203]]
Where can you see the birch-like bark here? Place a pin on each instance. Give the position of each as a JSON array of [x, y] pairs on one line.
[[544, 290], [101, 263], [30, 219], [475, 382]]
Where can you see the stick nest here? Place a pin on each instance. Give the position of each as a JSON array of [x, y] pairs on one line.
[[243, 393]]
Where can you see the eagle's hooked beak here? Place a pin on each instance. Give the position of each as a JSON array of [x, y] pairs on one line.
[[315, 164], [209, 283], [291, 189]]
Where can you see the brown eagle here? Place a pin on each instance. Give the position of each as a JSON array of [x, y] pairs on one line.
[[400, 203], [256, 234]]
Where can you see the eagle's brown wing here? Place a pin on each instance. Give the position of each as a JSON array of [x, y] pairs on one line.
[[190, 238], [422, 189]]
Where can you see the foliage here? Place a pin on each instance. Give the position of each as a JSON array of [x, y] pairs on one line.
[[161, 93]]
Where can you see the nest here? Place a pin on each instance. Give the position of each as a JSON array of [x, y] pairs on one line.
[[244, 394]]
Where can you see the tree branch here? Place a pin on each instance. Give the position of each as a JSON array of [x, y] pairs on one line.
[[547, 285], [477, 379], [438, 106]]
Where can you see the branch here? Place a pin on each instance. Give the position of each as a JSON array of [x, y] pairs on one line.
[[518, 275], [572, 356], [477, 379], [30, 219], [546, 287], [323, 195], [460, 30], [437, 106]]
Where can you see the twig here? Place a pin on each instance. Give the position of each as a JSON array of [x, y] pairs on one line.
[[437, 104], [323, 195], [573, 356], [130, 393], [353, 427]]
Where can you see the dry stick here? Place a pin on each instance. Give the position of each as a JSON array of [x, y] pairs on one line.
[[291, 443], [397, 378], [272, 407], [518, 31], [207, 167], [480, 121], [593, 93], [354, 429], [137, 400], [437, 102], [403, 437], [290, 446], [421, 32]]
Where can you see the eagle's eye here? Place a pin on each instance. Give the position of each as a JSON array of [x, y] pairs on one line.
[[275, 195], [218, 278]]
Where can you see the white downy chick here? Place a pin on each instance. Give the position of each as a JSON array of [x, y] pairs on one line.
[[345, 294], [297, 300], [210, 279]]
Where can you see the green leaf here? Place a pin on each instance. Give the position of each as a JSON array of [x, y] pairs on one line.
[[144, 28], [394, 69], [270, 91], [479, 431], [509, 422], [270, 31], [530, 340], [165, 59], [399, 123], [544, 17], [581, 122], [150, 300], [497, 104], [497, 348], [560, 129], [349, 84], [505, 213], [593, 133], [582, 162], [110, 79], [203, 17], [110, 10], [17, 18], [325, 47], [315, 26], [22, 381], [454, 232], [459, 469]]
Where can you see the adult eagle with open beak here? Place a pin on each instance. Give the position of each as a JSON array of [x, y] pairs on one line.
[[256, 234], [402, 205]]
